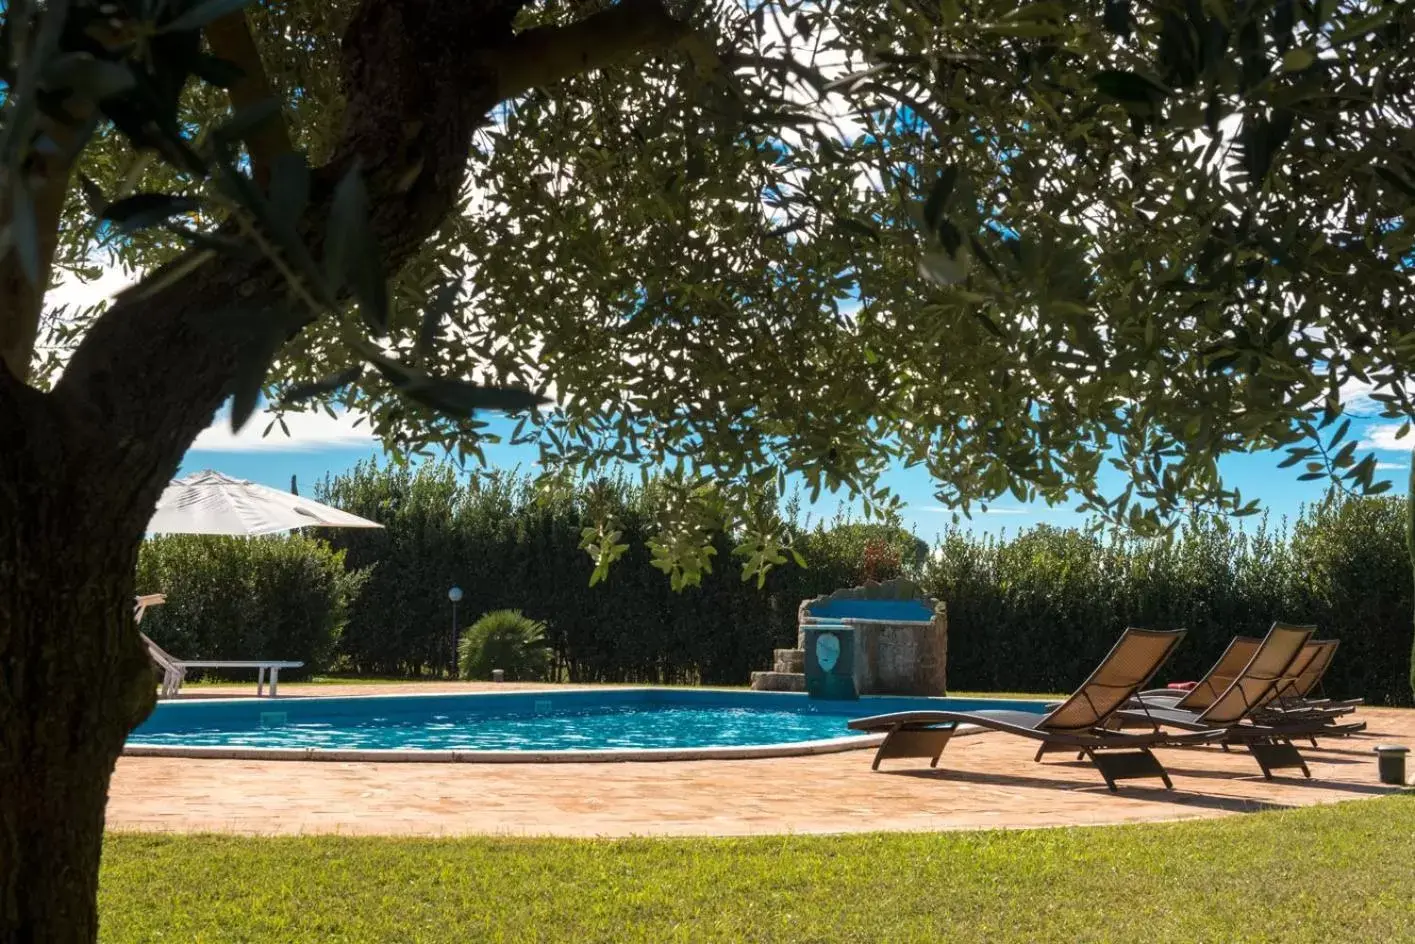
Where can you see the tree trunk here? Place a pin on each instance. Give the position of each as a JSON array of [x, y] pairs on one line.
[[74, 679], [81, 467]]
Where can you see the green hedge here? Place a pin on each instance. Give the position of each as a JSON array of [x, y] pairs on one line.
[[506, 550], [1352, 578], [284, 597], [1035, 613], [1031, 613]]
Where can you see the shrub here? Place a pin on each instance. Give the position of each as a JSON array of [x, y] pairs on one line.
[[509, 547], [1032, 612], [507, 640], [283, 597], [1035, 613], [1352, 578]]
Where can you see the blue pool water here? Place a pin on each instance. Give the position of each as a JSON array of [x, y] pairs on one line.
[[524, 721]]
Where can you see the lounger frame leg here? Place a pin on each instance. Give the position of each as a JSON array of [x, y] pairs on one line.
[[1047, 747], [274, 680], [1128, 765], [260, 682], [1278, 754], [904, 741]]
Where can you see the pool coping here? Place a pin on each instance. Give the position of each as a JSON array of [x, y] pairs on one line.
[[571, 756], [564, 756]]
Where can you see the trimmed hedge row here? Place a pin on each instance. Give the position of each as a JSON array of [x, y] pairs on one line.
[[283, 597], [505, 549], [1031, 613], [1035, 613]]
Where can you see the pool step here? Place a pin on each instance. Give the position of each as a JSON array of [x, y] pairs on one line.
[[789, 660], [779, 681]]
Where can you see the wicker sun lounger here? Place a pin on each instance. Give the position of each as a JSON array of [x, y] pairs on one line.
[[1305, 678], [1288, 700], [1077, 725], [1228, 667], [1238, 711]]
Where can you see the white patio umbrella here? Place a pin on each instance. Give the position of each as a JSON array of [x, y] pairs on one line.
[[211, 503]]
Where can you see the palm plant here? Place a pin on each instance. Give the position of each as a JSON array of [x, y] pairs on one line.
[[507, 640]]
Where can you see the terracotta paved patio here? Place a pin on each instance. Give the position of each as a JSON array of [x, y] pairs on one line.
[[983, 781]]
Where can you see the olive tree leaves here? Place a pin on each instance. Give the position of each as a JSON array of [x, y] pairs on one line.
[[134, 65], [1049, 251]]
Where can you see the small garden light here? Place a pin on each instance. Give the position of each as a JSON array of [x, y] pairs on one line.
[[455, 595], [1391, 763]]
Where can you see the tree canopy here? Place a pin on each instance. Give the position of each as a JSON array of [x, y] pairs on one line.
[[731, 240], [1008, 242]]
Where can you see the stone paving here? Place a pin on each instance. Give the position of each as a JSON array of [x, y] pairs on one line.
[[983, 781]]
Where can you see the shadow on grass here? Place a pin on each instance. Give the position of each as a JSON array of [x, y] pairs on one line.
[[1130, 789]]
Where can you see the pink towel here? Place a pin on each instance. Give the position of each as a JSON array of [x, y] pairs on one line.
[[1182, 686]]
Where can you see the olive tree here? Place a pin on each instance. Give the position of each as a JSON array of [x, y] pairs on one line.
[[1012, 242]]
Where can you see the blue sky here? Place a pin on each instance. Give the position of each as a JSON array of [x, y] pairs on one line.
[[320, 445]]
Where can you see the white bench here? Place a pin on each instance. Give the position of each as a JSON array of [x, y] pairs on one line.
[[264, 669], [174, 670]]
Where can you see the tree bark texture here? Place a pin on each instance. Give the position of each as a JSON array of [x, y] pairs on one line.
[[73, 677]]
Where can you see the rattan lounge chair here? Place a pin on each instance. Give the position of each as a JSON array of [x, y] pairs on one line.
[[1294, 695], [1288, 700], [1228, 667], [1076, 725], [1239, 709]]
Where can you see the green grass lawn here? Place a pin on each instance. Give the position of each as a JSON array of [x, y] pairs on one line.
[[1328, 874]]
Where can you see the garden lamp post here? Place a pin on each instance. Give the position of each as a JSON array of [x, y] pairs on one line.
[[455, 595]]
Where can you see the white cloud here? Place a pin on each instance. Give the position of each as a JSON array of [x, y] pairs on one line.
[[1381, 437], [309, 432], [1391, 467], [1356, 397], [990, 510], [65, 302]]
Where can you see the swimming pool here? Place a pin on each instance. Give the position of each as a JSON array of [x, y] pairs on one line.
[[577, 724]]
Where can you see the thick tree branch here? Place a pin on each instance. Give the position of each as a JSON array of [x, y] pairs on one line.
[[547, 54], [151, 372], [230, 39], [21, 300], [420, 76]]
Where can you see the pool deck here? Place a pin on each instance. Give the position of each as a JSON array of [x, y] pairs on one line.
[[983, 781]]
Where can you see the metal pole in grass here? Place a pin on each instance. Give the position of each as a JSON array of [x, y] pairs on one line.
[[455, 595]]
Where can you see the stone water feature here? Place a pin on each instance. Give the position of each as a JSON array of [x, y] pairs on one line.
[[902, 634]]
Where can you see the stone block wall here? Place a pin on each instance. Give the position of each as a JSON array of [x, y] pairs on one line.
[[902, 633]]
